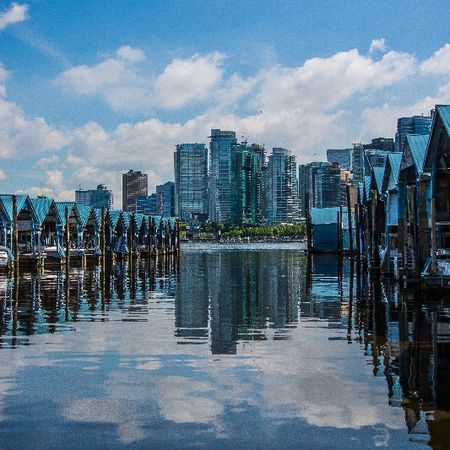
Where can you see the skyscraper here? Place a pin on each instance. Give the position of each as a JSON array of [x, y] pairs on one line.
[[165, 199], [191, 180], [343, 156], [245, 184], [411, 125], [220, 175], [282, 187], [134, 185], [102, 196], [358, 163]]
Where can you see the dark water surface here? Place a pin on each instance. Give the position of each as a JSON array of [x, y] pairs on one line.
[[223, 348]]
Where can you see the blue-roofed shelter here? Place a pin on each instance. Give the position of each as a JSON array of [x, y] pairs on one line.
[[325, 229], [437, 167]]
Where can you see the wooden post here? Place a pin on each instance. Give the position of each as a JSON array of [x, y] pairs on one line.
[[103, 236], [308, 231], [423, 230], [357, 231], [349, 215], [67, 233], [433, 268], [339, 235], [15, 236]]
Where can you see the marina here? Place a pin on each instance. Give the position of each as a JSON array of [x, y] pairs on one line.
[[205, 348]]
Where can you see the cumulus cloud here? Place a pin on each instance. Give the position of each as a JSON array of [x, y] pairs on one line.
[[15, 14], [321, 83], [188, 80], [377, 45], [21, 135], [439, 63], [2, 175], [323, 102]]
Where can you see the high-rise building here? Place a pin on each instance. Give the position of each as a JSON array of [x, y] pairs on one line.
[[220, 175], [83, 196], [191, 180], [147, 205], [342, 156], [358, 163], [381, 143], [102, 196], [165, 199], [134, 185], [282, 187], [245, 184], [411, 125]]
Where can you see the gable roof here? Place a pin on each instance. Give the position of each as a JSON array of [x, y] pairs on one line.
[[394, 163], [84, 212], [115, 215], [444, 112], [41, 207], [417, 144], [139, 219], [7, 201], [61, 209], [378, 173]]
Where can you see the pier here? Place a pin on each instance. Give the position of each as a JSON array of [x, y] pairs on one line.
[[42, 233]]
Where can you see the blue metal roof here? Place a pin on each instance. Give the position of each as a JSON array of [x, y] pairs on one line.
[[444, 112], [367, 183], [418, 143], [138, 218], [41, 207], [115, 215], [84, 212], [394, 161], [7, 201], [378, 173], [126, 218], [61, 209]]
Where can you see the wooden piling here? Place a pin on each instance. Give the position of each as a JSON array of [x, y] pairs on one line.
[[308, 231], [103, 236], [433, 268], [15, 236], [67, 230], [349, 215]]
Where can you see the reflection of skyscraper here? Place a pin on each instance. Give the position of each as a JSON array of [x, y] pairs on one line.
[[191, 298]]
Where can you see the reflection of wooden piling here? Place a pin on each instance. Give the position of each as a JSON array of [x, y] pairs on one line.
[[339, 230], [15, 236]]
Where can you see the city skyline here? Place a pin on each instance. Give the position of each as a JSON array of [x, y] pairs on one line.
[[87, 92]]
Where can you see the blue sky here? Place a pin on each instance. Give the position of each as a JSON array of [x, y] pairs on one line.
[[89, 89]]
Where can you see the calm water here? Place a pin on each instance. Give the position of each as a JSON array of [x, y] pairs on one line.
[[249, 347]]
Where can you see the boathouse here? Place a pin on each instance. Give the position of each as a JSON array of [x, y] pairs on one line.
[[437, 169], [390, 190], [330, 230]]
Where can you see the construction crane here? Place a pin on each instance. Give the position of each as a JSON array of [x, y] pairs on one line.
[[247, 133]]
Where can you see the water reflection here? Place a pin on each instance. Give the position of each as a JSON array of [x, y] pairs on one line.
[[242, 303]]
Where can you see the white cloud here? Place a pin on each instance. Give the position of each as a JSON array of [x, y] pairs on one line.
[[2, 175], [20, 135], [188, 80], [377, 44], [439, 63], [130, 54], [321, 83], [15, 14]]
